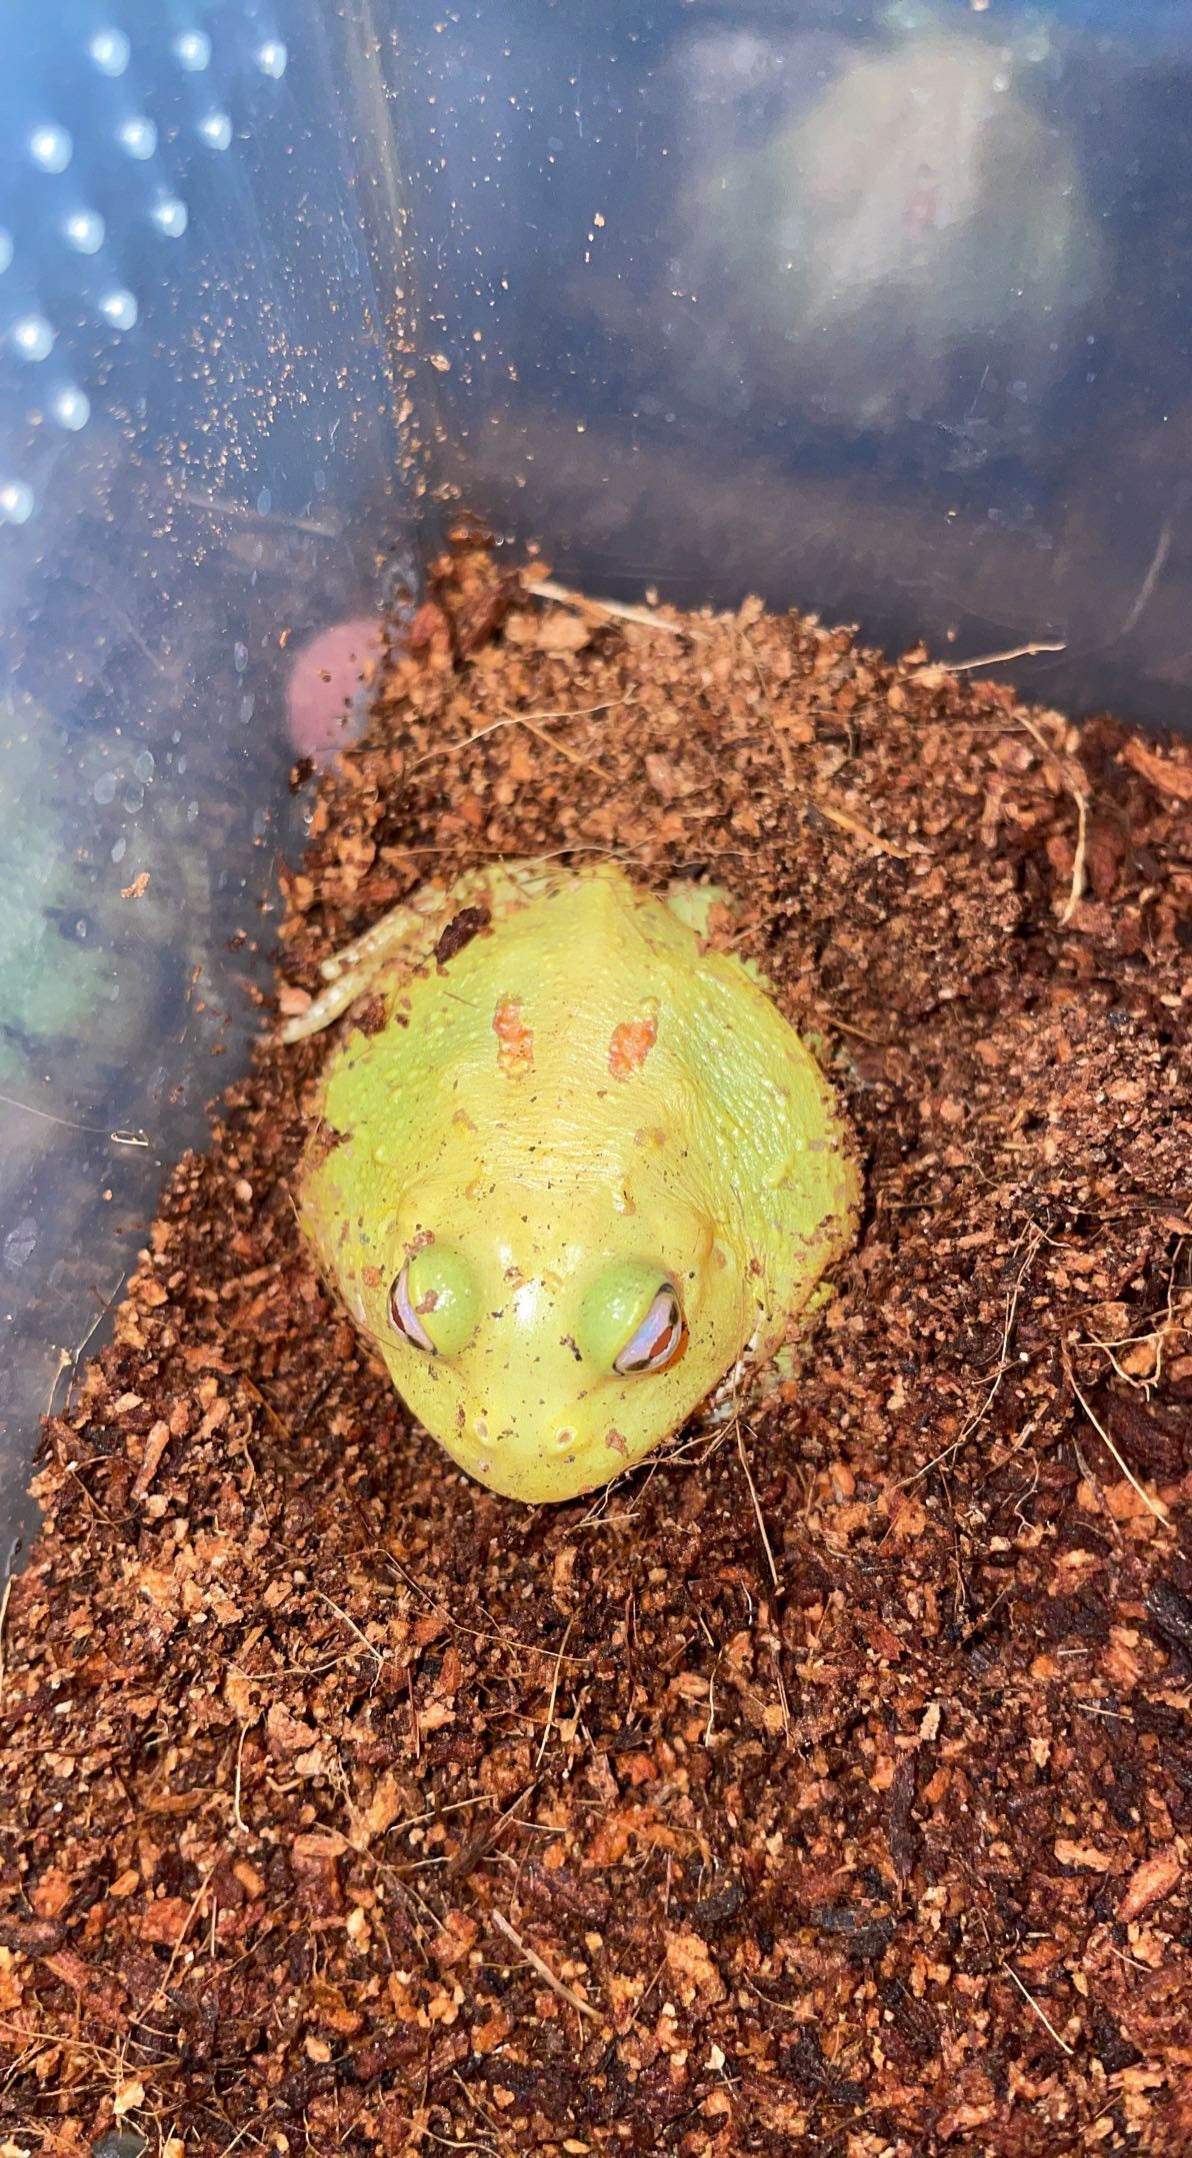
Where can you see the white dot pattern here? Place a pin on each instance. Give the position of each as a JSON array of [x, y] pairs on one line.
[[110, 167]]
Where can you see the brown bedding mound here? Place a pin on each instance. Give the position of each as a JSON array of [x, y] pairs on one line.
[[825, 1787]]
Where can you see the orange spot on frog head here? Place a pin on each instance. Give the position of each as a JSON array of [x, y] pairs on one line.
[[515, 1041], [630, 1044]]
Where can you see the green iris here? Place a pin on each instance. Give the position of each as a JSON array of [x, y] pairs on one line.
[[630, 1318], [441, 1292]]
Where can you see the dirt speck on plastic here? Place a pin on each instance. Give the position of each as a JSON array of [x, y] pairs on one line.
[[824, 1787]]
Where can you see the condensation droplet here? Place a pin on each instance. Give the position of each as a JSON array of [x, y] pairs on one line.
[[138, 136], [32, 337], [120, 850], [170, 216], [272, 58], [216, 130], [192, 50], [71, 408], [16, 502], [84, 229], [51, 148], [133, 799], [264, 502], [6, 248], [109, 50], [144, 766], [192, 812], [119, 308], [104, 789], [248, 706], [240, 657]]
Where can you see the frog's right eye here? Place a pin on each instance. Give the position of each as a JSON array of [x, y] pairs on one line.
[[631, 1321], [433, 1301], [402, 1314], [656, 1344]]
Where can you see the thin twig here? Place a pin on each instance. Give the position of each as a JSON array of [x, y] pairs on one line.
[[707, 1737], [466, 1860], [351, 1625], [163, 1989], [846, 823], [845, 1026], [1045, 2020], [1076, 892], [554, 1691], [789, 2008], [985, 659], [565, 1993], [623, 610], [534, 722], [585, 764], [756, 1505], [237, 1816], [783, 1700], [1153, 1505]]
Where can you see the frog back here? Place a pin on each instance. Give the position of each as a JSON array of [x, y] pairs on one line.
[[586, 1039]]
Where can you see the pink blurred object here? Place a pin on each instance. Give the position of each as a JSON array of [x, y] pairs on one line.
[[329, 688]]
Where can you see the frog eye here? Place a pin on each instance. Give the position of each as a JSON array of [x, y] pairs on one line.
[[402, 1314], [434, 1302], [631, 1319], [658, 1339]]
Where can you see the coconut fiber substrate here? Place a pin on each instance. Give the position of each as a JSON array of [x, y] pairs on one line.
[[824, 1786]]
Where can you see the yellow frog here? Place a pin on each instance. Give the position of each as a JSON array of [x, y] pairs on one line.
[[575, 1172]]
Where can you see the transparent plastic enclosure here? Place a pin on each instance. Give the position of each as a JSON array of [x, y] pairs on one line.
[[198, 498], [876, 310]]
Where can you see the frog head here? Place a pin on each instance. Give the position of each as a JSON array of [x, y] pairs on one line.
[[548, 1329]]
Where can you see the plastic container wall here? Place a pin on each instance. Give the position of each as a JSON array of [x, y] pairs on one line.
[[874, 310], [879, 310], [197, 479]]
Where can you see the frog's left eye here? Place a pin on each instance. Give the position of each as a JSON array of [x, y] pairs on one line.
[[433, 1301], [631, 1320]]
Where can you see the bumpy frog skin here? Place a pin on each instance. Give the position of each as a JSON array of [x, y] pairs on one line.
[[578, 1165]]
